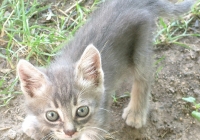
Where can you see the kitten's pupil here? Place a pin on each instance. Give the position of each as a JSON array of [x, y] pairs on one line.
[[52, 116], [82, 111]]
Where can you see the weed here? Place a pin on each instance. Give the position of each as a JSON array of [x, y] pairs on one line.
[[116, 98], [172, 32], [195, 113]]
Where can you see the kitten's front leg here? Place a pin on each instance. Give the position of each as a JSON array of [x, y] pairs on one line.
[[135, 113], [31, 128]]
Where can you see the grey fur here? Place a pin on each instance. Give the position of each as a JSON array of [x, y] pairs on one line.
[[122, 33]]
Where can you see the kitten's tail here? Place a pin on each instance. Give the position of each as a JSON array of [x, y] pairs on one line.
[[168, 9]]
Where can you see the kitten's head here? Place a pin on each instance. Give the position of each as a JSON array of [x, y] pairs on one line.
[[65, 98]]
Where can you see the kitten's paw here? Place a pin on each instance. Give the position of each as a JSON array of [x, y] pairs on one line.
[[31, 132], [30, 128], [134, 118]]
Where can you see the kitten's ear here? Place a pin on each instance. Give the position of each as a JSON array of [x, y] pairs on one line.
[[33, 81], [88, 69]]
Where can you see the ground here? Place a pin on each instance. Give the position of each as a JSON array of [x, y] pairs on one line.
[[177, 75]]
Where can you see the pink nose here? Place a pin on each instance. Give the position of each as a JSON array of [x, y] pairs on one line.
[[69, 132]]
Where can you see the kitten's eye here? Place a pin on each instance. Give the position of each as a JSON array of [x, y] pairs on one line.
[[52, 116], [82, 111]]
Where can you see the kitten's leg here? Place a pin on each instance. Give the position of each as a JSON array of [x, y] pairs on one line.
[[135, 113], [32, 129]]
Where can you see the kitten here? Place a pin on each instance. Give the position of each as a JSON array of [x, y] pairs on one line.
[[70, 99]]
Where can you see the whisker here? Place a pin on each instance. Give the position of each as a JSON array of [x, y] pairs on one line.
[[43, 128], [105, 110], [91, 136], [102, 130], [47, 136], [52, 137], [95, 134]]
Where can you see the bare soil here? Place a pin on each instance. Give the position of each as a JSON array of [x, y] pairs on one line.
[[169, 117]]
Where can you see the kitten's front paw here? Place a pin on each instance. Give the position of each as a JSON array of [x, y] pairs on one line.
[[31, 129], [31, 132], [34, 133], [134, 118]]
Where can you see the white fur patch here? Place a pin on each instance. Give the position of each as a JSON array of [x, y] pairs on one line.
[[29, 125]]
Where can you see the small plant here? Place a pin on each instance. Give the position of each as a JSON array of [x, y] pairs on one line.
[[116, 98], [195, 113]]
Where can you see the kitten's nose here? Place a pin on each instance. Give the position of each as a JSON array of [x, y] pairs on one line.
[[69, 132]]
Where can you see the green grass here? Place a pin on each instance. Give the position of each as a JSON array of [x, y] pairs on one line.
[[36, 31], [172, 32], [117, 98]]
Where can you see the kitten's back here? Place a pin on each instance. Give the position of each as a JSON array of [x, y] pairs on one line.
[[114, 30]]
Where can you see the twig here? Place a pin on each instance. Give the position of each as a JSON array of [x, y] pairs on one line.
[[66, 15], [70, 8]]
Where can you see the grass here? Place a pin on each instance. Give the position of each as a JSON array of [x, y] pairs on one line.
[[172, 32], [36, 31], [117, 98]]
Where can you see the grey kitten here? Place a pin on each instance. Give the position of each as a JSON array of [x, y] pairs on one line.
[[70, 99]]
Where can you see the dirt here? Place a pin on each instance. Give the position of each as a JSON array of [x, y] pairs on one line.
[[169, 116]]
